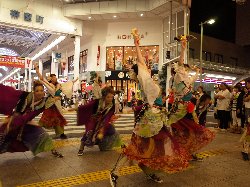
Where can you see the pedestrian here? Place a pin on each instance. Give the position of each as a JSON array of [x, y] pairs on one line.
[[236, 110], [202, 108], [223, 106], [117, 102]]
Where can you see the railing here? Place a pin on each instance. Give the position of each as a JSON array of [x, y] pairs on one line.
[[215, 66]]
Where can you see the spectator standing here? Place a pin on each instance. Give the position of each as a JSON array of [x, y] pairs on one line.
[[223, 106]]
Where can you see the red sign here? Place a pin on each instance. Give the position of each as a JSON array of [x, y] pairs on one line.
[[12, 61]]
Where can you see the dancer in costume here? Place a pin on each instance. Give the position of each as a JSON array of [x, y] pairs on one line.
[[55, 114], [246, 135], [152, 145], [97, 116], [18, 133], [182, 116]]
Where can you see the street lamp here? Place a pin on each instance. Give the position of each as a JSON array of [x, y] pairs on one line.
[[211, 21]]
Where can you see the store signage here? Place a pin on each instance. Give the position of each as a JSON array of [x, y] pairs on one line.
[[130, 36], [15, 14], [12, 61], [28, 63]]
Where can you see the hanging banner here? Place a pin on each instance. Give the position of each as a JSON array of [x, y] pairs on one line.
[[28, 63], [98, 55], [12, 61]]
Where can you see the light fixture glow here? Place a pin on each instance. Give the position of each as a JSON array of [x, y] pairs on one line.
[[4, 68], [50, 46], [114, 16], [211, 21], [141, 14], [89, 17]]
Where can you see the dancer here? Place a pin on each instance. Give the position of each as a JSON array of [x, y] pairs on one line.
[[55, 113], [152, 145], [19, 133], [246, 135], [98, 116], [186, 130]]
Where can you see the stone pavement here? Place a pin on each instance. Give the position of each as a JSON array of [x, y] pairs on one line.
[[222, 167]]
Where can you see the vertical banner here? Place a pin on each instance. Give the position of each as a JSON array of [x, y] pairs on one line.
[[28, 63], [98, 55]]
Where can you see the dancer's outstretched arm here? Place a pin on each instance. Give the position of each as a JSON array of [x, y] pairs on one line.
[[140, 60], [182, 54]]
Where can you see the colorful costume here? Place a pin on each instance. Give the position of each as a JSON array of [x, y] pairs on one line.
[[98, 128], [182, 118], [18, 133], [151, 144], [53, 116]]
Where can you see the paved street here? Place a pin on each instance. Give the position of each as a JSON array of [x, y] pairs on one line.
[[222, 165]]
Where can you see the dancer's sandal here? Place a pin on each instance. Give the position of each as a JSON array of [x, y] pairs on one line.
[[113, 179], [154, 178], [245, 156], [196, 158], [80, 152], [56, 154]]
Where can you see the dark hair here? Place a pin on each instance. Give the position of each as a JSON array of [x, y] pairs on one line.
[[53, 75], [107, 90], [186, 66], [204, 97], [135, 68], [248, 81], [36, 84], [201, 87]]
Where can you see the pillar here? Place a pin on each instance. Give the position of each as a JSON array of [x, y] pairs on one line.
[[54, 64], [76, 61]]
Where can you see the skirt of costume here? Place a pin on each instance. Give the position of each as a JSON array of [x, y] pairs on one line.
[[246, 135], [33, 138], [191, 135], [160, 152], [106, 141], [52, 117]]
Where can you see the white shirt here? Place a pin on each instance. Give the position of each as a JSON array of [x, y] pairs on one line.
[[223, 104]]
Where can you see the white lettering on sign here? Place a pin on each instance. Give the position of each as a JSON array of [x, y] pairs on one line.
[[129, 36]]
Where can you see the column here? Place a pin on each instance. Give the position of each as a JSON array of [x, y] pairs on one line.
[[76, 61], [54, 64], [40, 65], [29, 81], [65, 72], [25, 79], [19, 80]]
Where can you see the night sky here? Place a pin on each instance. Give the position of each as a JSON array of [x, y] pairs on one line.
[[223, 11]]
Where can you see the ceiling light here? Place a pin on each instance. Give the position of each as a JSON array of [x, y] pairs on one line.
[[89, 17], [114, 16], [141, 14]]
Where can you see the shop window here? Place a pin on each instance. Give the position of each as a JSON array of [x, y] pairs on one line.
[[122, 58], [83, 61], [234, 61], [218, 58], [71, 64], [206, 55], [191, 53]]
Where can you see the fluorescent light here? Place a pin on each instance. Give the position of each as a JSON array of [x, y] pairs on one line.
[[211, 21], [4, 68], [50, 46], [12, 73]]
